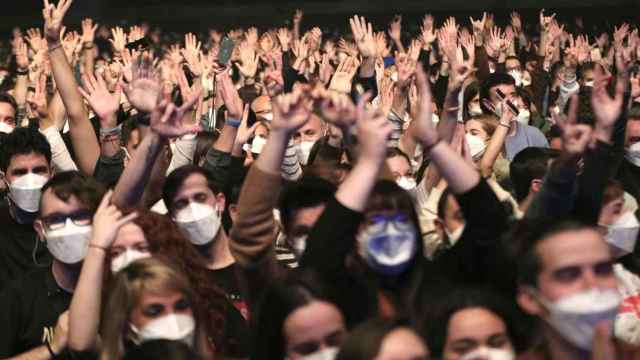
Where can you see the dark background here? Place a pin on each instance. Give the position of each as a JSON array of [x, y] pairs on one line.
[[199, 15]]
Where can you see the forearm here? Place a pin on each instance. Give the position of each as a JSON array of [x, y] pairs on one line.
[[38, 353], [355, 190], [449, 118], [493, 150], [130, 187], [60, 157], [89, 60], [453, 168], [85, 308], [368, 67], [83, 138], [226, 139], [399, 45], [400, 99], [20, 90]]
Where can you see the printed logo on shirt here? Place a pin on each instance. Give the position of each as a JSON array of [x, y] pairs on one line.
[[47, 334]]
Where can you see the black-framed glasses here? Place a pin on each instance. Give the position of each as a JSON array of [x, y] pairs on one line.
[[57, 221]]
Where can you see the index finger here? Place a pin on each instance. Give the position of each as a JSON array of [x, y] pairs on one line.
[[106, 199]]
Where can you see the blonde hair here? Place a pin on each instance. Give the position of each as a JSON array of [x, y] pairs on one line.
[[489, 123], [141, 276]]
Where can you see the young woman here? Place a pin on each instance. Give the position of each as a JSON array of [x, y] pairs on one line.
[[118, 241], [151, 299], [297, 322], [383, 339], [472, 324]]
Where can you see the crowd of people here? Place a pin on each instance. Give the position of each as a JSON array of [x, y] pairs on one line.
[[467, 192]]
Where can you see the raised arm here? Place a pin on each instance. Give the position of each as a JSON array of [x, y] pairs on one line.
[[496, 143], [88, 45], [460, 175], [22, 78], [85, 143], [85, 308], [166, 122]]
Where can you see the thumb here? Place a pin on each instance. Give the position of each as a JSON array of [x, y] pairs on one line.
[[603, 346]]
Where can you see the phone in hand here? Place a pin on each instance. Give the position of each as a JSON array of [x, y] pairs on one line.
[[514, 109], [226, 50]]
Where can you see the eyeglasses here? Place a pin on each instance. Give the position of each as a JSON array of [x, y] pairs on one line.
[[56, 221]]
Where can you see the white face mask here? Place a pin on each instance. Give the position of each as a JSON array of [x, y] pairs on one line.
[[588, 83], [474, 110], [175, 327], [127, 257], [388, 245], [406, 182], [476, 145], [575, 317], [455, 235], [325, 354], [5, 128], [435, 118], [487, 353], [257, 144], [526, 79], [69, 244], [267, 116], [200, 222], [304, 151], [524, 116], [25, 191], [632, 154], [623, 233], [517, 76], [298, 245]]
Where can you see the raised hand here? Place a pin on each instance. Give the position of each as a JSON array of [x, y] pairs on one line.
[[244, 131], [406, 70], [35, 40], [145, 88], [284, 37], [575, 137], [88, 31], [341, 80], [167, 121], [53, 17], [107, 221], [606, 109], [104, 103], [348, 48], [338, 109], [230, 96], [326, 70], [373, 131], [478, 25], [427, 33], [192, 54], [516, 22], [425, 132], [395, 28], [135, 33], [119, 40], [251, 36], [38, 102], [545, 21], [496, 42], [291, 112], [450, 27], [248, 64], [414, 49], [297, 16], [363, 34], [72, 43], [460, 69], [22, 54]]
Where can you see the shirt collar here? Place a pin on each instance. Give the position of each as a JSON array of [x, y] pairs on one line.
[[50, 283]]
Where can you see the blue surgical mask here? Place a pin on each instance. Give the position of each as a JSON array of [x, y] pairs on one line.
[[388, 244]]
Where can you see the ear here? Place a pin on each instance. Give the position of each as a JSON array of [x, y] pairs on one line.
[[536, 185], [528, 301], [439, 224], [39, 228], [221, 201], [233, 211]]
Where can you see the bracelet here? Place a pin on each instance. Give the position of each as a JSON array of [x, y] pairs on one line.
[[110, 132], [505, 125], [233, 122], [87, 47], [53, 354], [97, 247]]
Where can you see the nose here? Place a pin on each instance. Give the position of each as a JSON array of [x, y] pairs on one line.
[[589, 279]]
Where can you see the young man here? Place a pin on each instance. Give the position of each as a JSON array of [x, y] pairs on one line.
[[33, 316], [566, 278], [25, 158], [8, 110], [520, 136]]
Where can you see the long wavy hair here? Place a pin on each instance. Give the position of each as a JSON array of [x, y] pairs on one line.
[[142, 276], [167, 242]]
